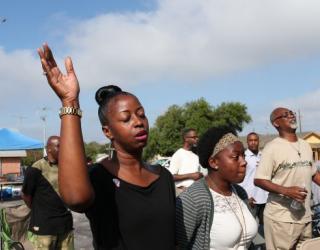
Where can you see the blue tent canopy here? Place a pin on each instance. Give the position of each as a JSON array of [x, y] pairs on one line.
[[11, 140]]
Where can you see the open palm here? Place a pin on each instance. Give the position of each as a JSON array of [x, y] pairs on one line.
[[65, 86]]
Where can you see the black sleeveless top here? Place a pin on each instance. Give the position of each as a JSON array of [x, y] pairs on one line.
[[127, 216]]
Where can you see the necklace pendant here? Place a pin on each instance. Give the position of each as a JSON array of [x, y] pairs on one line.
[[299, 154]]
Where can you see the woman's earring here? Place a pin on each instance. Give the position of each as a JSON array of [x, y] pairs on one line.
[[215, 167], [110, 151]]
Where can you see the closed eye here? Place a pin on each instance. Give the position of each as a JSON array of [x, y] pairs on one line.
[[126, 118], [236, 157]]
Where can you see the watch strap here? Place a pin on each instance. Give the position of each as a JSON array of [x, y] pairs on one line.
[[70, 111]]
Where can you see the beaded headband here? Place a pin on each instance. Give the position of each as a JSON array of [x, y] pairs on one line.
[[224, 142]]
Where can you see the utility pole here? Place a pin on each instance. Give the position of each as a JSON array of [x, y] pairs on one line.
[[43, 117], [299, 120]]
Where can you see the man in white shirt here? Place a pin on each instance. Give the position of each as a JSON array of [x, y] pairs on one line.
[[257, 196], [184, 164]]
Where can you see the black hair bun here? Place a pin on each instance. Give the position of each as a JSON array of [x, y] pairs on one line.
[[106, 92]]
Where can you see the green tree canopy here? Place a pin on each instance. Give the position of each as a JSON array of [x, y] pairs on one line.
[[33, 155], [94, 148], [165, 137]]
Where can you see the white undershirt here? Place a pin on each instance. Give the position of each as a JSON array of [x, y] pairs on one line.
[[226, 230]]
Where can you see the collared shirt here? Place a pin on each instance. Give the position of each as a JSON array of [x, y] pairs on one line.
[[253, 191]]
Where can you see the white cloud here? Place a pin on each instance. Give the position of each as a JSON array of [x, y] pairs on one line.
[[193, 39], [179, 40], [21, 79], [308, 106]]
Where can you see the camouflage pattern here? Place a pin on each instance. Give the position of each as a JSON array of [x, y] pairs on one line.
[[49, 171], [53, 242]]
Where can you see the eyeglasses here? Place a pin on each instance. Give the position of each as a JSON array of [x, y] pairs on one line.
[[285, 115], [193, 137]]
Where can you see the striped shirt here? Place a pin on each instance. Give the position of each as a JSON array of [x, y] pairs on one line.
[[194, 215]]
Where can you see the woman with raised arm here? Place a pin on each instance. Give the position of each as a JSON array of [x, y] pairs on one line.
[[130, 205], [213, 213]]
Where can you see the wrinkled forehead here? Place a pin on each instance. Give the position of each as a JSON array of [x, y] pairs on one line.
[[280, 111], [277, 112]]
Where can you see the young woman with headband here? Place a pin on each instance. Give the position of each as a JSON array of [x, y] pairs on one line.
[[213, 213], [130, 205]]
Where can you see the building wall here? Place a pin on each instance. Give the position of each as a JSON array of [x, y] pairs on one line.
[[316, 154], [10, 165], [313, 139]]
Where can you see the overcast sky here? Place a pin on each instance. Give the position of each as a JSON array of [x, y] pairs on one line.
[[260, 53]]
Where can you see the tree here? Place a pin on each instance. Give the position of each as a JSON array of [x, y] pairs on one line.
[[33, 155], [198, 115], [165, 137], [232, 114], [92, 149], [167, 126]]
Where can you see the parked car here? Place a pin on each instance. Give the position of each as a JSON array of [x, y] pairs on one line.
[[164, 162]]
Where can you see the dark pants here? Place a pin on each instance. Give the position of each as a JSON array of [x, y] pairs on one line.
[[259, 212]]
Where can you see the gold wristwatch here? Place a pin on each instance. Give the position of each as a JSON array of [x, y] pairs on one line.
[[70, 111]]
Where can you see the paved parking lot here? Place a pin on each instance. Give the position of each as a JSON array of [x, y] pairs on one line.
[[82, 233]]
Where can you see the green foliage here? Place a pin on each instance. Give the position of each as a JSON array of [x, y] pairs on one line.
[[165, 137], [169, 126], [233, 115], [32, 157], [197, 115], [94, 148], [91, 149]]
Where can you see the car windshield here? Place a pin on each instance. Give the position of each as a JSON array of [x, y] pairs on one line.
[[165, 162]]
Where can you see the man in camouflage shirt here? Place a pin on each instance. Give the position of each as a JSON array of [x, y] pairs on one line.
[[51, 222]]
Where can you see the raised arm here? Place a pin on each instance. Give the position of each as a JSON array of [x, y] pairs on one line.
[[74, 184]]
